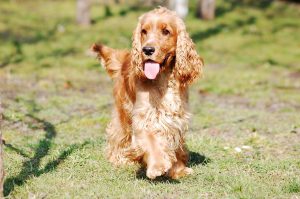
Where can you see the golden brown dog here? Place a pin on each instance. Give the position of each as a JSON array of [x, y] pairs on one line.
[[151, 80]]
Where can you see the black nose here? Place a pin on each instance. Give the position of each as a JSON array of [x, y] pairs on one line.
[[148, 50]]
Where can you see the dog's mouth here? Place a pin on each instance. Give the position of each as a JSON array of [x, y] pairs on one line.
[[152, 68]]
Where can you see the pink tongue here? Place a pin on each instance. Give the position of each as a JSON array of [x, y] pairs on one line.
[[151, 70]]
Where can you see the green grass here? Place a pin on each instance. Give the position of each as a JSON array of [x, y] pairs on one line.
[[57, 101]]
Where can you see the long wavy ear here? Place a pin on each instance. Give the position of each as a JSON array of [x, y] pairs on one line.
[[136, 52], [189, 64]]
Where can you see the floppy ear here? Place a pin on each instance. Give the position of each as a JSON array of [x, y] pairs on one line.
[[136, 52], [188, 64]]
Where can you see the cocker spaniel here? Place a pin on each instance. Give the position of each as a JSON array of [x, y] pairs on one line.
[[151, 81]]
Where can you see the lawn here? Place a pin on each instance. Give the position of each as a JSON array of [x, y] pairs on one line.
[[244, 136]]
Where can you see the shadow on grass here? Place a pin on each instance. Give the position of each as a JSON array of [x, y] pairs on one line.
[[15, 149], [134, 8], [195, 159], [20, 37], [233, 4], [202, 35], [123, 11], [107, 14], [30, 168], [15, 57], [41, 34], [198, 159]]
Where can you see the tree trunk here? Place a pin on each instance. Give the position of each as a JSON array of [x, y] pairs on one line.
[[206, 9], [83, 12], [180, 7], [1, 156]]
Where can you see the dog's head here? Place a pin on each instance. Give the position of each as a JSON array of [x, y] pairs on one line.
[[159, 39]]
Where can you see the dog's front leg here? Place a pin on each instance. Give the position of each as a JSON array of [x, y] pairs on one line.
[[156, 154]]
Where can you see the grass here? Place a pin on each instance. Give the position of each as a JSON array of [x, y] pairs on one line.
[[57, 102]]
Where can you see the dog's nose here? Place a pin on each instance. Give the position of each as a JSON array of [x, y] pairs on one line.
[[148, 50]]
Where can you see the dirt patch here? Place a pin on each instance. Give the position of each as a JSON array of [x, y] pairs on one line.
[[294, 75], [236, 101]]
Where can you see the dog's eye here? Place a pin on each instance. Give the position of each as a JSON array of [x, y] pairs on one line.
[[165, 32], [144, 32]]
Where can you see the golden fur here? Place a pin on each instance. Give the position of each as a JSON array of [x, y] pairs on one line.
[[150, 117]]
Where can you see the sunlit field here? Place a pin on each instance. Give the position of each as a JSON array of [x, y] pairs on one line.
[[244, 136]]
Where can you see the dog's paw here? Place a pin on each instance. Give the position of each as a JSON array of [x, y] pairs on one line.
[[178, 173], [156, 170]]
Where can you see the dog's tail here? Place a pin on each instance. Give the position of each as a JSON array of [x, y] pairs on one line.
[[111, 59]]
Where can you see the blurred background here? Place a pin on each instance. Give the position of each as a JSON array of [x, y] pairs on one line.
[[256, 32], [56, 98]]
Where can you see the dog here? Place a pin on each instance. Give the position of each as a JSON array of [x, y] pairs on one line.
[[150, 115]]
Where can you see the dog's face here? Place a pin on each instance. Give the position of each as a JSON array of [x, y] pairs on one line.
[[158, 43], [159, 39]]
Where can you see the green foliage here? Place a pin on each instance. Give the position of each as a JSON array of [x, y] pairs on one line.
[[244, 134], [293, 186]]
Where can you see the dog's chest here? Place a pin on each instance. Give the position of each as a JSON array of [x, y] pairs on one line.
[[160, 107]]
